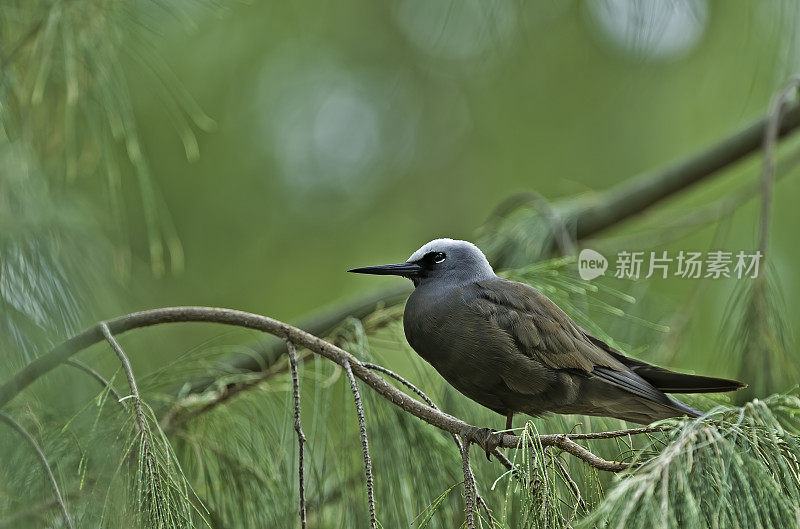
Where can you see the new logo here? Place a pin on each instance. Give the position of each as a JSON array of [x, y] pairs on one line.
[[591, 264]]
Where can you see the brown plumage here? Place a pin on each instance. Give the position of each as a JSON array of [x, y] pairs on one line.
[[508, 347]]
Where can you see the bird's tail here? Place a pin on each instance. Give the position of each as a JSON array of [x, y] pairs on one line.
[[672, 382]]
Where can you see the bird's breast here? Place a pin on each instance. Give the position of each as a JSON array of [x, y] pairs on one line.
[[424, 320]]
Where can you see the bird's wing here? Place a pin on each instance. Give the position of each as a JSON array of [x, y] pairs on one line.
[[539, 328], [544, 332]]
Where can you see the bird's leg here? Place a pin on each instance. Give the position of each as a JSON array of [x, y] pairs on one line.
[[509, 420], [486, 438]]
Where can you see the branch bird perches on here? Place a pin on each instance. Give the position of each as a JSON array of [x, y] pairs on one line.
[[437, 418]]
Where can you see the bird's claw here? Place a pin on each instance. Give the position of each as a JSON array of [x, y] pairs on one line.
[[486, 438]]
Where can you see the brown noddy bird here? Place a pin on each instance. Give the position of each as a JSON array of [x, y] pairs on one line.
[[508, 347]]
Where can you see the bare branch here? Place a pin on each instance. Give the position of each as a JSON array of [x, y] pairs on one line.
[[126, 366], [568, 445], [45, 465], [364, 442], [589, 216], [321, 323], [469, 488], [429, 401], [425, 412], [100, 378], [141, 421], [301, 438], [406, 383], [615, 433], [503, 459], [571, 482]]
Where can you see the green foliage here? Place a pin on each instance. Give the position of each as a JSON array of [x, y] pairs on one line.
[[161, 496], [535, 482], [584, 301], [239, 456], [69, 75], [743, 472], [524, 229], [759, 338], [44, 282], [63, 76]]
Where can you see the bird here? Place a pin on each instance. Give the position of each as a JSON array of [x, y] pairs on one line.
[[507, 346]]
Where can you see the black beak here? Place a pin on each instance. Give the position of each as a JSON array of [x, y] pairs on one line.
[[399, 269]]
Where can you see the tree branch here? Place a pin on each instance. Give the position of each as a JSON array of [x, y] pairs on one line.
[[568, 445], [647, 189], [301, 438], [469, 488], [126, 366], [318, 324], [45, 465], [98, 377], [362, 426], [45, 363], [429, 402]]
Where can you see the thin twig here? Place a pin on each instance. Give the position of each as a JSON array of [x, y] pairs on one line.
[[571, 482], [429, 401], [43, 459], [301, 438], [503, 459], [406, 383], [100, 378], [439, 419], [615, 433], [568, 445], [469, 487], [479, 499], [362, 425], [144, 432], [126, 366]]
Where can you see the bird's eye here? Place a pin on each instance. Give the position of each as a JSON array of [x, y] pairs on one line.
[[433, 258]]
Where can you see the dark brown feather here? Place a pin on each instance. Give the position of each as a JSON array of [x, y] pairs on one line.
[[670, 381], [539, 327]]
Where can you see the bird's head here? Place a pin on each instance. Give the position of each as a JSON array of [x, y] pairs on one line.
[[445, 261]]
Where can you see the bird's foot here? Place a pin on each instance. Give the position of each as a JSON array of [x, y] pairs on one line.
[[486, 438]]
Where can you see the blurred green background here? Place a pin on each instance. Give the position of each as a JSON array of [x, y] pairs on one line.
[[246, 155], [352, 133]]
